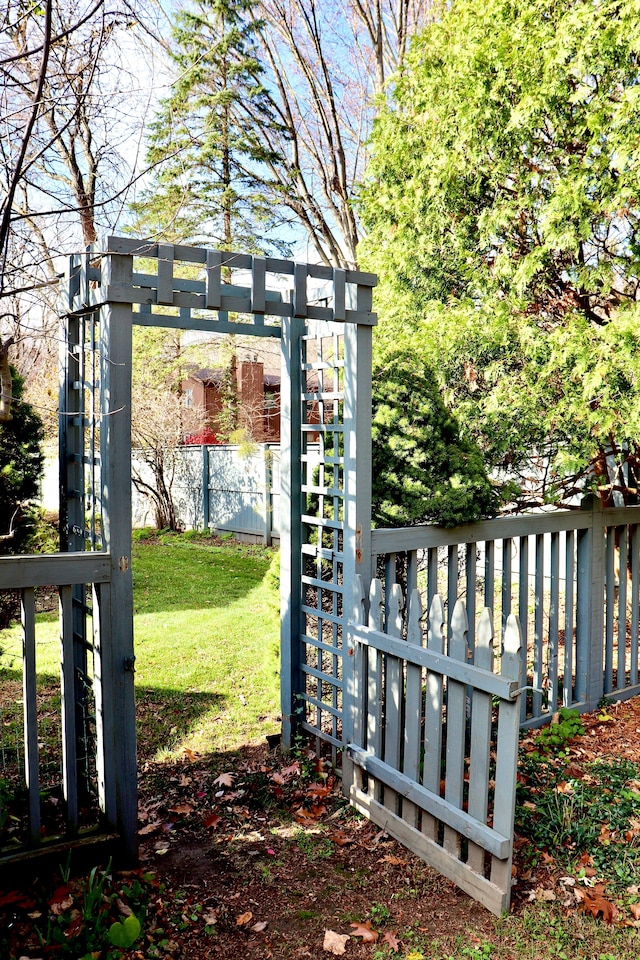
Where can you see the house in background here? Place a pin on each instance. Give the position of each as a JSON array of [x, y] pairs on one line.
[[245, 386]]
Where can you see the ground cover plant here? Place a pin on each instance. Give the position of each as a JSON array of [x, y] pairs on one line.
[[246, 853]]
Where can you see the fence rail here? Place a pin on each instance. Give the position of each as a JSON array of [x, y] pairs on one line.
[[59, 769], [573, 578]]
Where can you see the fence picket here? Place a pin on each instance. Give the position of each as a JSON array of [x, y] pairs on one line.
[[413, 706], [69, 742], [506, 755], [393, 694], [433, 715], [480, 738], [374, 678], [456, 724], [32, 777]]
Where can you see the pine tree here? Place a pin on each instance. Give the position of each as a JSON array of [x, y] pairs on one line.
[[206, 137]]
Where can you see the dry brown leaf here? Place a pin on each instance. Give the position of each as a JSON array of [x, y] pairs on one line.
[[244, 918], [340, 838], [150, 828], [212, 820], [391, 941], [224, 780], [184, 809], [365, 931], [260, 926], [394, 861], [335, 942], [635, 911], [598, 906]]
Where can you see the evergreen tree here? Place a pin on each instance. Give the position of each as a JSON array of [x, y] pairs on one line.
[[502, 212], [206, 137], [422, 469], [21, 464]]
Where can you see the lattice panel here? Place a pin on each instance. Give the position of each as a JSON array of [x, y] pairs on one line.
[[80, 414], [322, 399]]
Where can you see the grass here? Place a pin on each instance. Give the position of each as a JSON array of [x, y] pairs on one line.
[[206, 628]]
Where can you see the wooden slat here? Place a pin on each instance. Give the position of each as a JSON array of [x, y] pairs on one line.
[[569, 592], [635, 602], [622, 608], [339, 290], [480, 738], [213, 280], [69, 756], [374, 677], [393, 692], [462, 672], [609, 610], [59, 569], [456, 723], [538, 630], [258, 298], [554, 622], [30, 712], [487, 893], [300, 304], [507, 759], [413, 706], [433, 714], [523, 611], [489, 573], [496, 843], [165, 294]]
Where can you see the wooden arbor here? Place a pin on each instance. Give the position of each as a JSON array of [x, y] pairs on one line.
[[323, 318]]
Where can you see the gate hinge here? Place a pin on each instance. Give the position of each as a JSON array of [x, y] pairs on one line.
[[129, 664]]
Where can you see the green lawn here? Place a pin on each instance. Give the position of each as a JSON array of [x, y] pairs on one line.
[[206, 641]]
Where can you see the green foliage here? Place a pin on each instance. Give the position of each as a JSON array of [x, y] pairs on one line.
[[21, 463], [422, 468], [501, 217], [554, 737], [124, 934], [595, 815]]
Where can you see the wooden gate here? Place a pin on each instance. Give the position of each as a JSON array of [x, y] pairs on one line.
[[435, 739]]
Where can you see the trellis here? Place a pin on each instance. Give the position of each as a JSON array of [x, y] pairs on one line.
[[323, 317]]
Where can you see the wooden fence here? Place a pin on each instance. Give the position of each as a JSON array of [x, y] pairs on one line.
[[61, 771], [434, 761], [573, 578]]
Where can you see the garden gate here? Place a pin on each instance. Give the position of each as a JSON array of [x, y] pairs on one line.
[[340, 681]]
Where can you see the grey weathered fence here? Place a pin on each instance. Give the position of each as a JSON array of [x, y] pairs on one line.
[[78, 776], [434, 761], [573, 577]]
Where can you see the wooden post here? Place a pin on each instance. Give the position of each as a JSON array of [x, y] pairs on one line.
[[206, 493], [115, 437], [291, 502]]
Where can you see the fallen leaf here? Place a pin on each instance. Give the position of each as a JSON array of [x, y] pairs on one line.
[[224, 780], [292, 770], [260, 926], [598, 906], [184, 809], [335, 942], [212, 820], [391, 941], [244, 918], [394, 861], [365, 931], [635, 911], [191, 754], [340, 838], [150, 828]]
